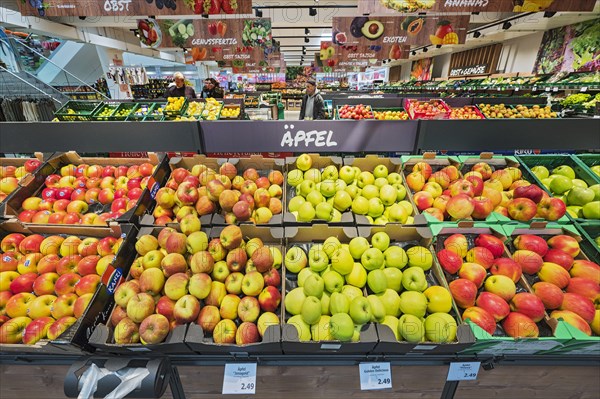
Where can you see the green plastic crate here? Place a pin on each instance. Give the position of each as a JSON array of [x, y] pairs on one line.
[[128, 107], [590, 231], [110, 105], [589, 160], [84, 110], [140, 117]]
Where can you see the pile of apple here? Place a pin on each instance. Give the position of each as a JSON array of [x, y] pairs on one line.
[[11, 175], [566, 286], [427, 109], [203, 191], [46, 283], [227, 286], [356, 112], [582, 201], [486, 287], [324, 195], [446, 194], [329, 304], [67, 198], [466, 112]]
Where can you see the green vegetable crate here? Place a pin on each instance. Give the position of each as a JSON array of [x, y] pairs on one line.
[[123, 111], [103, 112], [81, 110]]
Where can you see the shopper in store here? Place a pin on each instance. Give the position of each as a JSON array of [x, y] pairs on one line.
[[313, 106], [180, 89], [212, 89]]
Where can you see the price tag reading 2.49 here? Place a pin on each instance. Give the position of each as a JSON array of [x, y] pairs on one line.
[[239, 378], [375, 376], [463, 371]]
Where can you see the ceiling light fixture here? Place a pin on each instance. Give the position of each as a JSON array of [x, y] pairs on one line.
[[312, 11], [258, 13], [506, 25]]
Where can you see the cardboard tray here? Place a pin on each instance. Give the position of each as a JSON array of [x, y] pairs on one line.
[[34, 184], [76, 338], [407, 237], [17, 162], [290, 343], [319, 162]]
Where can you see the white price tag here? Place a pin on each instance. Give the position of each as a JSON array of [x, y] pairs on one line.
[[547, 89], [375, 376], [463, 371], [239, 378], [583, 89], [535, 89], [555, 89], [516, 89]]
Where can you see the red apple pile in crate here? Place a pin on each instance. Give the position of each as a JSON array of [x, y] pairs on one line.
[[378, 195], [427, 109], [203, 191], [356, 112], [226, 285], [446, 194], [329, 302], [67, 198], [11, 175], [568, 287], [466, 112], [46, 283], [486, 287]]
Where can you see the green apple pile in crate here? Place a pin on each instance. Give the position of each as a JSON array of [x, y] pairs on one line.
[[582, 201], [567, 285], [329, 302], [327, 194], [446, 195], [11, 175], [47, 282], [226, 285], [203, 191]]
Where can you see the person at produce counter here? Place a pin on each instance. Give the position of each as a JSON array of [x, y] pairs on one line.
[[180, 89], [313, 106], [212, 89]]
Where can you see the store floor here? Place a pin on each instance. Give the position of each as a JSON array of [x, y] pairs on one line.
[[409, 382]]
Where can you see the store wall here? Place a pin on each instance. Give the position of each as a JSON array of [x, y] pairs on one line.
[[441, 64], [518, 55]]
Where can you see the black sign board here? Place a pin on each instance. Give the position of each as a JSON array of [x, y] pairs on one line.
[[479, 69]]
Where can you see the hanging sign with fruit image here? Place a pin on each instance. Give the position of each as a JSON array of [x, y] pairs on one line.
[[411, 30], [386, 7]]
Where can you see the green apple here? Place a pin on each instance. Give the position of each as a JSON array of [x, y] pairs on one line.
[[301, 326], [347, 174], [294, 300], [365, 178], [377, 281], [327, 188], [393, 278], [560, 184], [392, 323], [315, 198], [380, 171], [564, 170], [541, 172], [596, 169], [321, 331], [388, 195], [341, 327], [414, 303], [357, 277], [413, 279], [325, 299], [376, 207], [351, 292], [381, 221], [394, 178], [439, 299], [303, 275], [306, 187], [314, 286], [372, 259], [354, 191], [317, 258], [331, 245], [342, 262], [339, 303], [391, 302], [295, 260], [580, 196], [597, 240], [408, 207], [311, 310], [358, 245], [333, 281], [420, 257], [400, 191], [440, 327], [411, 328], [395, 257], [370, 191], [579, 183], [330, 173], [377, 308], [381, 241], [591, 210], [313, 174], [295, 177], [575, 211], [342, 201], [324, 211], [340, 185], [596, 189], [360, 310], [304, 162], [336, 216], [380, 182], [306, 212], [360, 205]]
